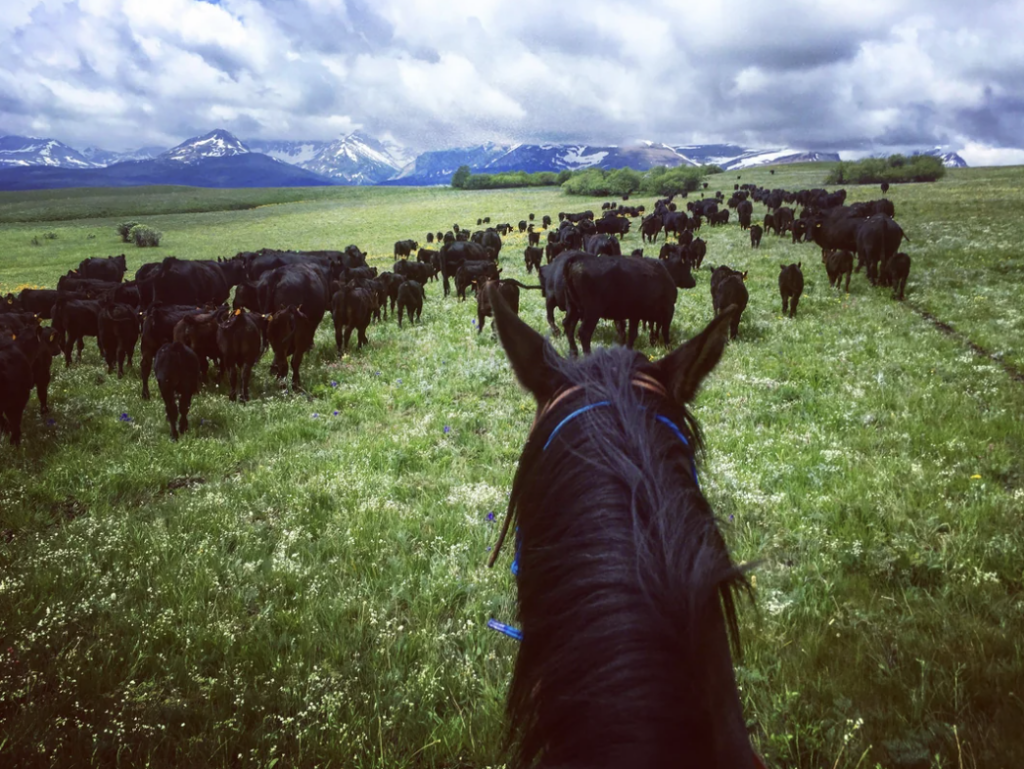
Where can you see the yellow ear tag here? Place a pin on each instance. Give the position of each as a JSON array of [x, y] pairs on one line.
[[238, 312], [270, 317], [14, 336]]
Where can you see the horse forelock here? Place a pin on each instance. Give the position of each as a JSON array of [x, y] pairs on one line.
[[621, 563]]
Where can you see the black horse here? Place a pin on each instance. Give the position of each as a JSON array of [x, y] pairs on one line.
[[626, 591]]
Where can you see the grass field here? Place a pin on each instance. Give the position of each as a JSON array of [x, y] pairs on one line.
[[301, 582]]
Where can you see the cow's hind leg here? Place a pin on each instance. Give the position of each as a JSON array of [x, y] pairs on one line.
[[586, 333], [167, 393], [186, 403]]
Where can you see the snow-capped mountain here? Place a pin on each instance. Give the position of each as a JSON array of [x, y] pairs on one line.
[[355, 159], [438, 167], [754, 158], [101, 157], [29, 151], [296, 153], [216, 144], [949, 159]]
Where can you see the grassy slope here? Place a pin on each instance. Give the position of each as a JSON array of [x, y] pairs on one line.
[[311, 587]]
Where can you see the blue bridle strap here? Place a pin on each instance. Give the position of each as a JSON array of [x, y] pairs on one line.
[[515, 633], [572, 416]]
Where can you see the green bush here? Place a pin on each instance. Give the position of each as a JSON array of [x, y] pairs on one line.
[[895, 168], [124, 229], [622, 181], [460, 177], [506, 179], [144, 236]]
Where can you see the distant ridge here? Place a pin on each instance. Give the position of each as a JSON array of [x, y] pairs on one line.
[[246, 170], [356, 158], [26, 151]]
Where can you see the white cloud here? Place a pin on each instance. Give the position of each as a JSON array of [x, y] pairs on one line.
[[123, 73]]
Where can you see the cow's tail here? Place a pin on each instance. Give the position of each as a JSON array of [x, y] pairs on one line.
[[515, 282]]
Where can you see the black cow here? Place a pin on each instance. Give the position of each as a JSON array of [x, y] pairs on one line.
[[755, 235], [110, 269], [602, 245], [180, 281], [878, 238], [391, 283], [305, 289], [784, 217], [837, 264], [18, 356], [472, 272], [836, 229], [769, 224], [118, 334], [509, 290], [40, 301], [728, 289], [405, 247], [177, 376], [895, 272], [613, 225], [453, 255], [533, 255], [744, 210], [620, 289], [90, 286], [552, 286], [885, 187], [791, 286], [523, 225], [198, 330], [410, 299], [418, 271], [650, 227], [240, 341], [698, 250], [351, 307], [430, 237], [800, 227], [545, 221], [490, 238], [157, 330], [719, 218], [75, 319]]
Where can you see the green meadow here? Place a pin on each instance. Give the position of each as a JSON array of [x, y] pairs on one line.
[[301, 580]]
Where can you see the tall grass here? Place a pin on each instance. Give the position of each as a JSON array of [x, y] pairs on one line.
[[301, 580]]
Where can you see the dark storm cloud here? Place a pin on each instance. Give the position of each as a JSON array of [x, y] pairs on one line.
[[802, 73]]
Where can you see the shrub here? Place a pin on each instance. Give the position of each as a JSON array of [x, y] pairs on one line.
[[460, 177], [144, 236], [895, 168], [124, 229]]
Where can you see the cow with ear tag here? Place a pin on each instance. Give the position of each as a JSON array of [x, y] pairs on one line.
[[626, 592]]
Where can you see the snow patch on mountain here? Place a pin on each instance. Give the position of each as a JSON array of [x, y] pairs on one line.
[[216, 144], [32, 151], [355, 159], [296, 153]]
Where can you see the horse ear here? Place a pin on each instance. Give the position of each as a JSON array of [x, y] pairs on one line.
[[530, 354], [683, 369]]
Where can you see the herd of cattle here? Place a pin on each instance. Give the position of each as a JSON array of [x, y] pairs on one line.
[[176, 311]]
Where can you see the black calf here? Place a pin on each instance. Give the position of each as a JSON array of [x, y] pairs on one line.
[[177, 375], [791, 286]]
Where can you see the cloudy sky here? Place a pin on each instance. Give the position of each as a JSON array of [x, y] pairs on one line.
[[852, 75]]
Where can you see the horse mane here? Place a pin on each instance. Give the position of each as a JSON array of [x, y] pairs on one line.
[[621, 562]]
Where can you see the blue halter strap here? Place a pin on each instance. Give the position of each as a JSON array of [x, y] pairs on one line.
[[513, 632]]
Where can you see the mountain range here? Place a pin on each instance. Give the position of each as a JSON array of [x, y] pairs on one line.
[[220, 159]]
